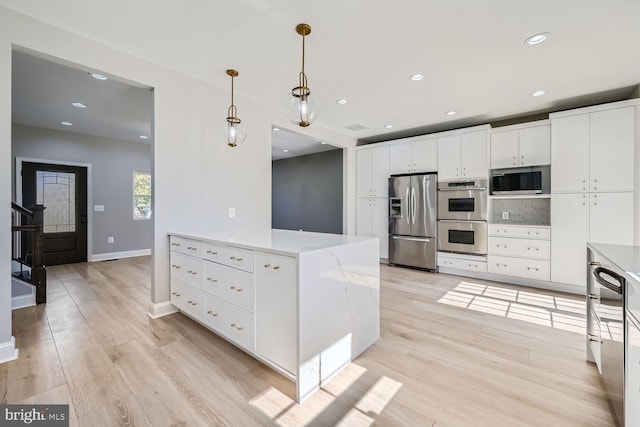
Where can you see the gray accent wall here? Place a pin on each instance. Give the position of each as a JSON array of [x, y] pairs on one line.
[[112, 165], [307, 192]]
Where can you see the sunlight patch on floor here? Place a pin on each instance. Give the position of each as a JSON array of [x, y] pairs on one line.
[[284, 411], [538, 308]]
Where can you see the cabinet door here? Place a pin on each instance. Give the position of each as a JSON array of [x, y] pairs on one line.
[[611, 150], [611, 218], [276, 311], [381, 174], [570, 154], [364, 172], [569, 227], [380, 224], [632, 374], [473, 150], [449, 157], [364, 218], [535, 146], [504, 149], [400, 158], [425, 155]]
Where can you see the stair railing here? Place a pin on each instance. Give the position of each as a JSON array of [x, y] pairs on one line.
[[28, 247]]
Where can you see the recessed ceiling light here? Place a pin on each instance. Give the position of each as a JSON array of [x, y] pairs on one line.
[[536, 39], [66, 123], [342, 101], [451, 113], [285, 150], [143, 137], [416, 77], [78, 105], [538, 93], [276, 129], [388, 126], [98, 76], [323, 143]]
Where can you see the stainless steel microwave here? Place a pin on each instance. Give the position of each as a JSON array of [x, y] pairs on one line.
[[529, 180]]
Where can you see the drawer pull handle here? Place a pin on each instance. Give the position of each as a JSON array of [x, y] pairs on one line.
[[189, 302], [232, 257], [193, 249], [176, 266], [175, 244], [211, 279], [238, 259], [212, 313], [177, 295], [267, 265], [173, 293], [212, 252], [233, 325], [592, 296], [592, 339], [239, 328], [276, 267], [232, 287], [189, 271], [194, 303], [194, 272]]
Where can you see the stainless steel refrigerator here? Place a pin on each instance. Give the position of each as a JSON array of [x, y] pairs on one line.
[[412, 220]]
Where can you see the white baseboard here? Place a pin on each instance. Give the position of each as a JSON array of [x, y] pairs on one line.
[[8, 351], [117, 255], [161, 309], [23, 301]]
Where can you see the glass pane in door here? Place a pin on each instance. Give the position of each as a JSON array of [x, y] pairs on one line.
[[56, 191]]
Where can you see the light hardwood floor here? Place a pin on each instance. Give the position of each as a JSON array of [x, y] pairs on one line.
[[453, 352]]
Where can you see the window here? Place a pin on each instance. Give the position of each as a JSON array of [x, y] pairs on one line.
[[141, 195]]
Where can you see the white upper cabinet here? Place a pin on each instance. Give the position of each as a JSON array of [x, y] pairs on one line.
[[612, 153], [593, 152], [372, 169], [463, 156], [522, 146], [414, 156]]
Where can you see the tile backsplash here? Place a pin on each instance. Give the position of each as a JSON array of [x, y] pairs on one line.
[[522, 211]]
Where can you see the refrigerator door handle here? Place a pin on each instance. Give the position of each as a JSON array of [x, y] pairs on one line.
[[414, 205], [406, 202], [412, 239]]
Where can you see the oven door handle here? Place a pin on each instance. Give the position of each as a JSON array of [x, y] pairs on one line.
[[612, 287], [462, 221], [463, 189]]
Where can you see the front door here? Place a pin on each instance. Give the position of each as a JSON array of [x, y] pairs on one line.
[[62, 190]]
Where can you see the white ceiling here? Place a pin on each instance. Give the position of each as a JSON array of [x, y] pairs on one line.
[[471, 53], [295, 144]]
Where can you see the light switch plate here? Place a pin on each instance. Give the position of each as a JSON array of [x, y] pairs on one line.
[[232, 212]]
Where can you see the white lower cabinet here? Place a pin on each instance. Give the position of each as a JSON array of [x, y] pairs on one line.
[[186, 298], [462, 262], [276, 309], [519, 251], [632, 374], [373, 220], [518, 267]]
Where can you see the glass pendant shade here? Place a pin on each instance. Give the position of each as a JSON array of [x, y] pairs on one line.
[[301, 109], [235, 132]]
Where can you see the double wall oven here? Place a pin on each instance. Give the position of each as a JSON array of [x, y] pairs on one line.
[[462, 217]]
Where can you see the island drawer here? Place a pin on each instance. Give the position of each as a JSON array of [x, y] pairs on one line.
[[190, 270], [186, 246], [187, 299], [230, 284], [229, 255], [230, 321]]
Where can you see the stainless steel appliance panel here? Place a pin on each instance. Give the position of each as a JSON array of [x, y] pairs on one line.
[[423, 205], [400, 205], [468, 237], [463, 203], [413, 251]]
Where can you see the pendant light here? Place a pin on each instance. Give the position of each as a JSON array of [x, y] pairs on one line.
[[301, 110], [233, 125]]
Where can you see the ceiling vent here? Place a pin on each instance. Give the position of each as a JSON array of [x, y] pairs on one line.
[[357, 126]]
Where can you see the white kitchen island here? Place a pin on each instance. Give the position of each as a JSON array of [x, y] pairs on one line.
[[306, 304]]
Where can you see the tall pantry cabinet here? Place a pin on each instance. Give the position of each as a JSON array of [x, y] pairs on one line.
[[592, 183], [372, 191]]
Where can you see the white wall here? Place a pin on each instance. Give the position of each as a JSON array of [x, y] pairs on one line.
[[197, 177]]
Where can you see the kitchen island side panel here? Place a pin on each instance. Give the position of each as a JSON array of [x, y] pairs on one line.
[[339, 309]]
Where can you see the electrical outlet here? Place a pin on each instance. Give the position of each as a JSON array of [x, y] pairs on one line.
[[110, 239], [98, 208], [505, 215], [232, 212]]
